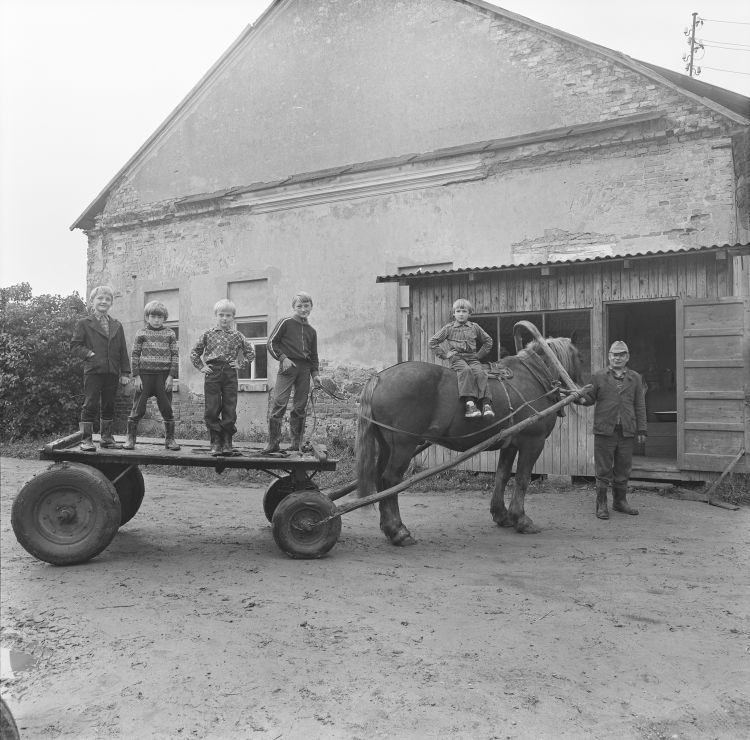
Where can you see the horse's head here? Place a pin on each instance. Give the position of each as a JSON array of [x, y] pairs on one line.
[[565, 351]]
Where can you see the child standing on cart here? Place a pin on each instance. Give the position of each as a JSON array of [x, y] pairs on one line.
[[464, 343], [219, 353], [294, 343], [154, 363], [99, 340]]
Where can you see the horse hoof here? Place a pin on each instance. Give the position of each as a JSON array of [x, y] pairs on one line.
[[527, 527], [502, 520], [403, 539]]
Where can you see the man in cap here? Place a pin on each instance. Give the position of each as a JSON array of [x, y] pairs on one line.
[[619, 419]]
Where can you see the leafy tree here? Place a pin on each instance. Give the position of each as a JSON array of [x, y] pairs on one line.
[[41, 383]]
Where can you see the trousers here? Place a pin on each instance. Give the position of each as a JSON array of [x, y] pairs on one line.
[[96, 387], [153, 385], [472, 377], [295, 379], [220, 388], [613, 458]]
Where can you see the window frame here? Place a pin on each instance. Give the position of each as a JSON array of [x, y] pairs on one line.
[[261, 340]]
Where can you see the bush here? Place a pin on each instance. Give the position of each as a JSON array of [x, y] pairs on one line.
[[41, 383]]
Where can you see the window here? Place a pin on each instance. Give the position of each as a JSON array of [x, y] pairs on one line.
[[256, 330], [171, 299], [251, 299], [573, 324]]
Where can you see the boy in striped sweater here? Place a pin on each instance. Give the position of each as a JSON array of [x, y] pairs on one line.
[[153, 364]]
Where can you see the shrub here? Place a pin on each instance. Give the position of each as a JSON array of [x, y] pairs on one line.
[[41, 383]]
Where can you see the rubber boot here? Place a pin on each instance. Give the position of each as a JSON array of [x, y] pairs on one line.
[[274, 437], [87, 430], [169, 442], [216, 443], [131, 435], [226, 448], [619, 502], [297, 429], [601, 502], [107, 440]]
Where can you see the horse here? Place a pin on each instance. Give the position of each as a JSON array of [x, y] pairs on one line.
[[410, 404]]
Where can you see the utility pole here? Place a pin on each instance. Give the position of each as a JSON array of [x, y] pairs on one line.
[[690, 33]]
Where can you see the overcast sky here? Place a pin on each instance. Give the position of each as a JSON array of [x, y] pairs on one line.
[[83, 84]]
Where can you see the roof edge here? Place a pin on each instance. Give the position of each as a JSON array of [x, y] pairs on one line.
[[734, 250], [85, 220], [642, 68]]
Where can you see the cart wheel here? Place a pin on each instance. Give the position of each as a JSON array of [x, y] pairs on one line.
[[279, 490], [68, 514], [8, 727], [294, 525], [130, 489]]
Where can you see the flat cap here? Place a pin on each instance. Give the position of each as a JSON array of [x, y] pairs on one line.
[[619, 346]]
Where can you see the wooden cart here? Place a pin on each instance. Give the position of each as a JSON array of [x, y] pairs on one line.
[[70, 512]]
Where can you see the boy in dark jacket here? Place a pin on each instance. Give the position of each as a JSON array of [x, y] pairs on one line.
[[294, 343], [99, 341], [619, 417]]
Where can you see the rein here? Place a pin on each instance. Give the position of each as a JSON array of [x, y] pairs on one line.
[[483, 430]]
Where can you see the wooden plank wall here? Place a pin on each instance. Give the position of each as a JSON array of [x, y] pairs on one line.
[[569, 451]]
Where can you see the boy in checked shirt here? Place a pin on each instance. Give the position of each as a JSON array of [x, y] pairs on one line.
[[219, 353], [464, 344]]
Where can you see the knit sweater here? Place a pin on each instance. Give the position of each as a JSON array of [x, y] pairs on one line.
[[154, 351]]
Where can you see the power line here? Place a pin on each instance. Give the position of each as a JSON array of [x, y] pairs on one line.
[[732, 71], [726, 48], [734, 23], [717, 41]]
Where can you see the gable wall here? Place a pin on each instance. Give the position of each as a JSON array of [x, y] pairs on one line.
[[320, 85]]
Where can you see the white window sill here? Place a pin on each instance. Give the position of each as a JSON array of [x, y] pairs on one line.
[[253, 386]]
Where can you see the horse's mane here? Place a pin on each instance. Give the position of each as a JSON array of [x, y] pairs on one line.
[[561, 348]]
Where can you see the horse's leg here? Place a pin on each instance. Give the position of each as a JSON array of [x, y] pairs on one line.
[[527, 456], [502, 476], [393, 473]]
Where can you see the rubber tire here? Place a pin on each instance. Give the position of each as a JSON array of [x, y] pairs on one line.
[[279, 490], [130, 489], [289, 520], [84, 490], [8, 727]]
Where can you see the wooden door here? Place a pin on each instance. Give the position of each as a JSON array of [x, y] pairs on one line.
[[713, 390]]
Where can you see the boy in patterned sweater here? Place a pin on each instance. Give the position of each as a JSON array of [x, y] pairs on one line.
[[153, 362], [219, 353]]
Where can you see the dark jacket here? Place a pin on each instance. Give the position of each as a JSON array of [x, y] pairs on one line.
[[629, 405], [295, 339], [110, 352]]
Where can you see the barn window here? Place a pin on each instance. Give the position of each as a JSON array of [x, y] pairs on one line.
[[573, 324]]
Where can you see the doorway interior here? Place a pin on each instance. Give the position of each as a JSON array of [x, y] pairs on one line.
[[650, 331]]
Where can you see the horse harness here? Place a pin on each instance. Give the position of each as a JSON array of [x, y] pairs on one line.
[[503, 374]]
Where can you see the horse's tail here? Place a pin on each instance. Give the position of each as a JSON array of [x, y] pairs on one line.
[[367, 443]]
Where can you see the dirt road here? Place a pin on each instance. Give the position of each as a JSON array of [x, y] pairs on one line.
[[193, 624]]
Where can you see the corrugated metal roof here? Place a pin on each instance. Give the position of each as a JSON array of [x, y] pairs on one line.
[[735, 249]]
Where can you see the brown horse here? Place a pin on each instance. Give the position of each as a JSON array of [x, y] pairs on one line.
[[413, 402]]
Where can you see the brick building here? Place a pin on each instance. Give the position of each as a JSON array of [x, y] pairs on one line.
[[342, 140]]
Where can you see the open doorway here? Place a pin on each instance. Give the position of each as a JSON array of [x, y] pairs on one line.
[[649, 330]]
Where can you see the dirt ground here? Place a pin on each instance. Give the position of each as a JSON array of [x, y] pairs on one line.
[[193, 624]]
